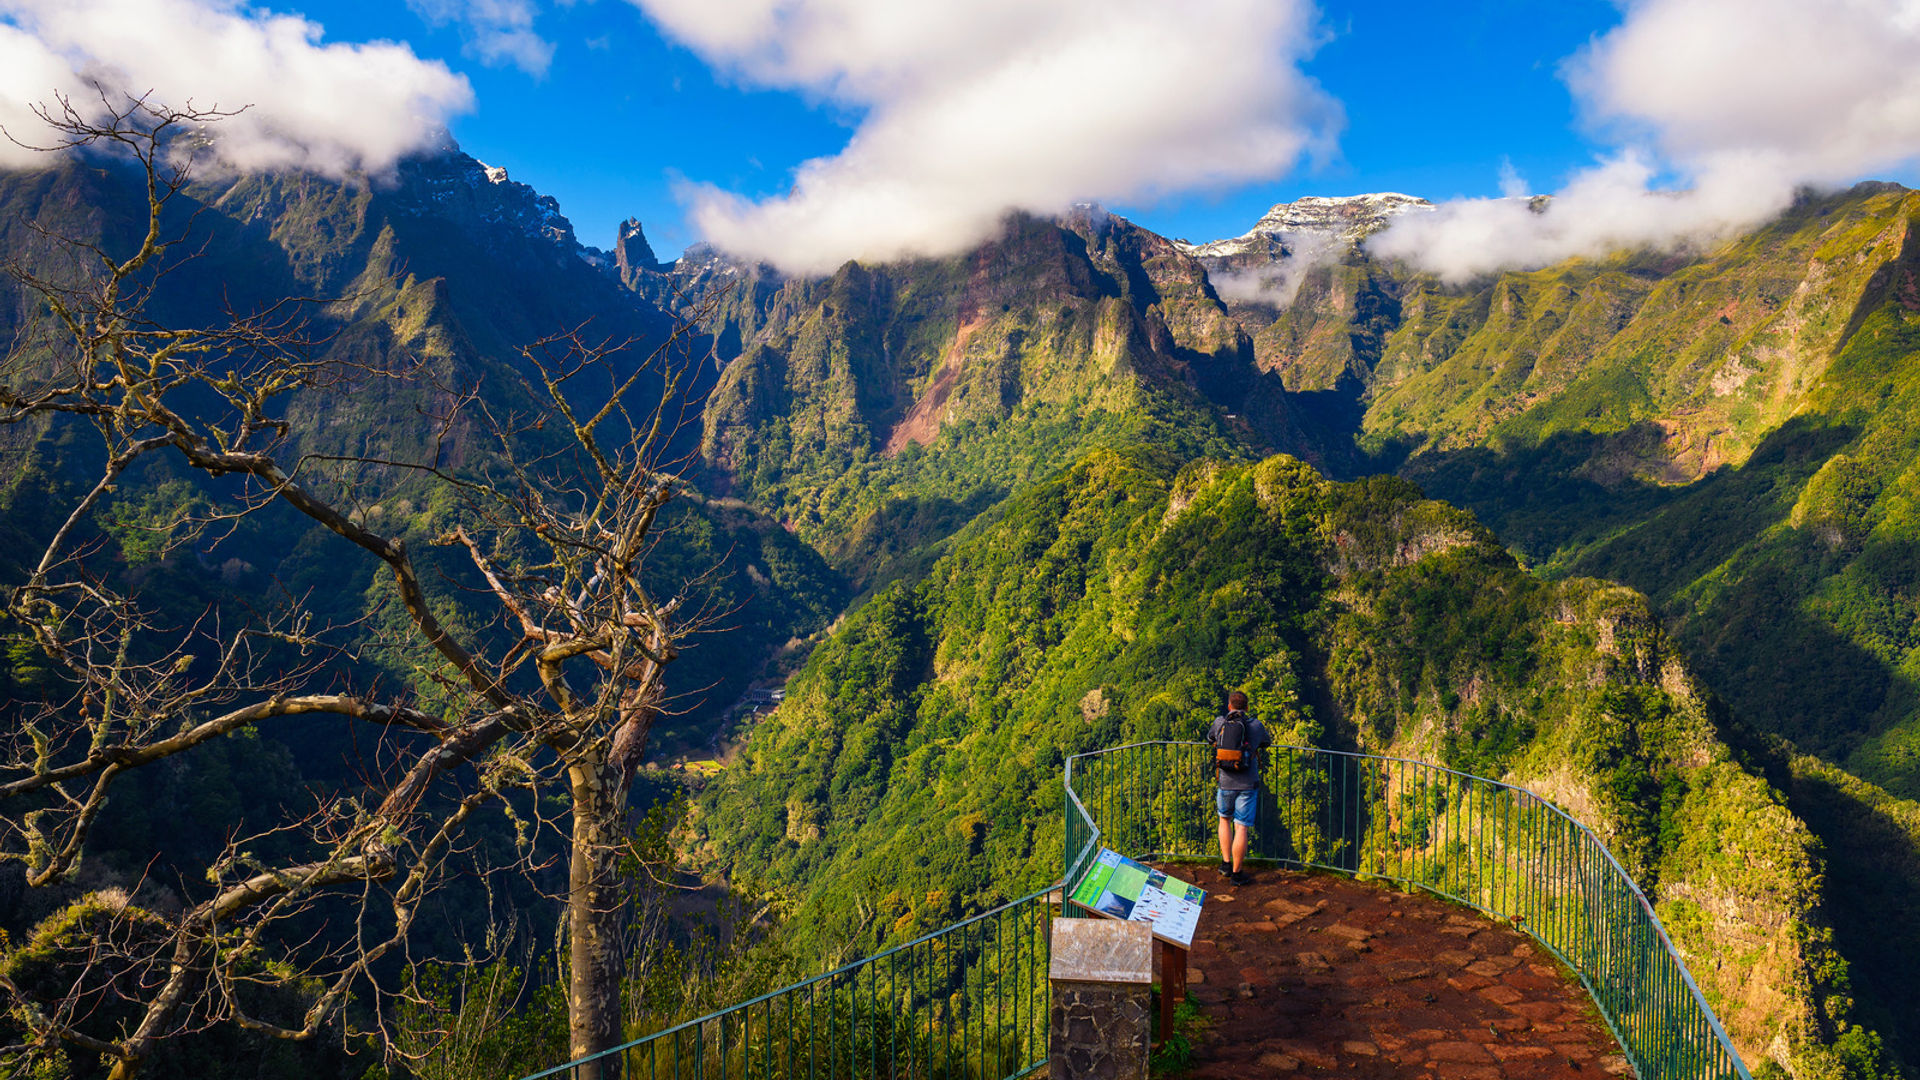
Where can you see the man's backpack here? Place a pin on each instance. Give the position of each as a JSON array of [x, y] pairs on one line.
[[1233, 749]]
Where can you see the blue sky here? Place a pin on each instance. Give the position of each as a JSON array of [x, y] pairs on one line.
[[808, 132], [1435, 97]]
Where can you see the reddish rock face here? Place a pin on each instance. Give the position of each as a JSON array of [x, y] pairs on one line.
[[1309, 973]]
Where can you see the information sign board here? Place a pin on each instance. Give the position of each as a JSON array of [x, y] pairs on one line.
[[1119, 888]]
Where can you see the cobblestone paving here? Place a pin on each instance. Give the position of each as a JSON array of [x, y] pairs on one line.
[[1317, 974]]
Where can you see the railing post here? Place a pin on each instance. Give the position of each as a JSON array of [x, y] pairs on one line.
[[1099, 1022], [1066, 830]]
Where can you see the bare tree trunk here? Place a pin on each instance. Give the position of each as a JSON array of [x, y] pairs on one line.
[[593, 932]]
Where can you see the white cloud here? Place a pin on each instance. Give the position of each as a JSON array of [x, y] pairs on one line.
[[1278, 283], [326, 107], [1512, 184], [1611, 206], [497, 31], [1739, 101], [973, 109]]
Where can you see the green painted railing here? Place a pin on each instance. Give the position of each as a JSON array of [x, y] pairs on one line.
[[969, 1002], [1495, 846], [966, 1002]]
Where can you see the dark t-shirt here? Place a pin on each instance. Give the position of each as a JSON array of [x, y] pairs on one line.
[[1256, 737]]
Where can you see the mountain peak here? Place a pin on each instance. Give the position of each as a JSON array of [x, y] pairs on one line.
[[1348, 218], [480, 196], [631, 252]]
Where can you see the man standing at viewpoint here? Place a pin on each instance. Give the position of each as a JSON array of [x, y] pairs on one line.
[[1237, 741]]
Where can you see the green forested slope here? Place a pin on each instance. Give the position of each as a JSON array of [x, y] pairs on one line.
[[421, 288], [1755, 475], [418, 293], [1801, 563], [1728, 431], [880, 408], [1712, 351], [913, 772]]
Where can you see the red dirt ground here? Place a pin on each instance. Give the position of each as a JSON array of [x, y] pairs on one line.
[[1313, 973]]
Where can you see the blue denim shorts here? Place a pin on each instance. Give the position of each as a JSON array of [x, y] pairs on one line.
[[1241, 806]]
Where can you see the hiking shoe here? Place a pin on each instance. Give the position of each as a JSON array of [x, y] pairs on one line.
[[1240, 878], [1225, 868]]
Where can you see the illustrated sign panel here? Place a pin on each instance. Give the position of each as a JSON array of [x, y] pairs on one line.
[[1119, 888]]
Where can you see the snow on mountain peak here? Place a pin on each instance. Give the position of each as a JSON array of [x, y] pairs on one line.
[[1347, 218]]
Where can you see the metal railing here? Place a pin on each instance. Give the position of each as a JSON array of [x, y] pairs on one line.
[[966, 1002], [1494, 846], [970, 1001]]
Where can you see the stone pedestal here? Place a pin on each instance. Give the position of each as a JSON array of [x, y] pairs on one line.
[[1102, 972]]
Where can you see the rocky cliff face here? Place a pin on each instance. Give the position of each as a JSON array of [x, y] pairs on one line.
[[632, 255], [1300, 287], [841, 395]]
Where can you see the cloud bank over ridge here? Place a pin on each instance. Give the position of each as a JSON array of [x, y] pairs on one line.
[[326, 107], [971, 110], [1735, 104]]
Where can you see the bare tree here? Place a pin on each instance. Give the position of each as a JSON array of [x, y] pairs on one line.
[[561, 689]]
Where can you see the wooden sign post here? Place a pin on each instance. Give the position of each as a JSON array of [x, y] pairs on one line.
[[1173, 985]]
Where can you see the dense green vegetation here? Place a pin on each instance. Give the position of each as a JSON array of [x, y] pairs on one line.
[[397, 354], [1794, 559], [1729, 430], [912, 774]]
